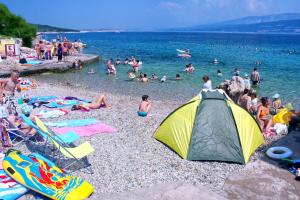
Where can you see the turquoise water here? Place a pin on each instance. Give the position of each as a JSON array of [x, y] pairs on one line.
[[279, 55]]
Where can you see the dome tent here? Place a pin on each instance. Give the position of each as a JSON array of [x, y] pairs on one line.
[[211, 127]]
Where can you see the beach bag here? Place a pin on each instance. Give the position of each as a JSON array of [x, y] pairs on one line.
[[281, 129]]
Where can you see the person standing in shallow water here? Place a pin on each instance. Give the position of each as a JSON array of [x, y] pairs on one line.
[[207, 83], [255, 77]]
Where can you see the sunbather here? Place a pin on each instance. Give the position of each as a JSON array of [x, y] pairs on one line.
[[101, 102]]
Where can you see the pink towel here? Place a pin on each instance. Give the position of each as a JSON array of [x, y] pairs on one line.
[[87, 130]]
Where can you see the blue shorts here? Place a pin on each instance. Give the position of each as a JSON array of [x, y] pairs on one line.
[[142, 114]]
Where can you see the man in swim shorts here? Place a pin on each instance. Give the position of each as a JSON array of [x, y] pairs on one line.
[[7, 91], [144, 107], [255, 77]]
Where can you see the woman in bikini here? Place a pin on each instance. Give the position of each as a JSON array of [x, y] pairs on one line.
[[263, 114], [101, 102]]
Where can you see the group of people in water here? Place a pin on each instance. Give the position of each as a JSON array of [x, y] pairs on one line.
[[111, 65]]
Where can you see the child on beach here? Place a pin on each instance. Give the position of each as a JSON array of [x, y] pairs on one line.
[[276, 104], [144, 107], [26, 109]]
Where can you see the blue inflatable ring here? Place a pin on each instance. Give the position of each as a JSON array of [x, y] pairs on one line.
[[279, 152]]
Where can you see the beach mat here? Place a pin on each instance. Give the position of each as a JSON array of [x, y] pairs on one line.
[[41, 98], [62, 103], [73, 123], [45, 114], [86, 130]]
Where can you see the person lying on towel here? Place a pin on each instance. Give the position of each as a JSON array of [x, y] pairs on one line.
[[101, 102]]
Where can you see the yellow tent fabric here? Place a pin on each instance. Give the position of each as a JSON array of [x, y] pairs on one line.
[[176, 130], [250, 133]]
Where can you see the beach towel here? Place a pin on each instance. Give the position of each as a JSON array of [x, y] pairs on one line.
[[41, 98], [73, 123], [75, 98], [44, 114], [61, 103], [87, 130]]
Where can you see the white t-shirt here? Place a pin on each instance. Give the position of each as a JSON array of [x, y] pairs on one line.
[[3, 111], [207, 85]]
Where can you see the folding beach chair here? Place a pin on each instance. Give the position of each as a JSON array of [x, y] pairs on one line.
[[12, 135], [72, 152], [68, 137]]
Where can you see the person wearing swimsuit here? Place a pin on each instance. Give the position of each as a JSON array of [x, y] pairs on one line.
[[263, 114]]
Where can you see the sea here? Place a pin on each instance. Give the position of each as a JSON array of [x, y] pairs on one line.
[[276, 56]]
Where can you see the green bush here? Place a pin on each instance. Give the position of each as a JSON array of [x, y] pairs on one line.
[[16, 26]]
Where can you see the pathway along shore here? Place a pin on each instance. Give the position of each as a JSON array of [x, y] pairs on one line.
[[49, 65]]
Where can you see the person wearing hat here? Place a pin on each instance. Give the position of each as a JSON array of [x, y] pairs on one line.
[[276, 104], [247, 82]]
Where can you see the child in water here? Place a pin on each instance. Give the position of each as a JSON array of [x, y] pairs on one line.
[[219, 73], [144, 107]]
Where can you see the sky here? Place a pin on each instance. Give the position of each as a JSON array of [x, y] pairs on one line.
[[142, 14]]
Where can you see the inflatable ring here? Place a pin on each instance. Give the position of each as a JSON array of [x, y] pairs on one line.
[[279, 152]]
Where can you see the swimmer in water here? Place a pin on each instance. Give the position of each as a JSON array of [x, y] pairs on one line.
[[215, 61], [154, 77], [91, 71], [177, 77], [219, 73], [144, 79], [131, 75], [163, 79]]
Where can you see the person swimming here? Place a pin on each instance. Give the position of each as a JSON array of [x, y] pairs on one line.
[[126, 61], [219, 73], [177, 77], [144, 79], [236, 72], [91, 71], [131, 75], [154, 77], [163, 79]]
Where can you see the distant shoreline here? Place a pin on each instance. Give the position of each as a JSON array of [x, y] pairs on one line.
[[157, 31]]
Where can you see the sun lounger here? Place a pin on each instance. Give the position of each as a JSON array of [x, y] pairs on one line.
[[68, 151], [68, 137], [12, 135]]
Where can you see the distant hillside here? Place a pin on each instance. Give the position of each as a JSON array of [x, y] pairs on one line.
[[261, 19], [280, 23], [47, 28]]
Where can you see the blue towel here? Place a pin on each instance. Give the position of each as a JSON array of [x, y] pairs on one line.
[[41, 98], [73, 123], [66, 103]]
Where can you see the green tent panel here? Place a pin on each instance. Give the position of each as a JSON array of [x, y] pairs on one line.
[[221, 130]]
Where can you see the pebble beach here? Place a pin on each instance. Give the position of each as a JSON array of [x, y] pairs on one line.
[[131, 158]]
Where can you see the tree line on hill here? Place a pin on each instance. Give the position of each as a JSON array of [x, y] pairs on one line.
[[15, 26]]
